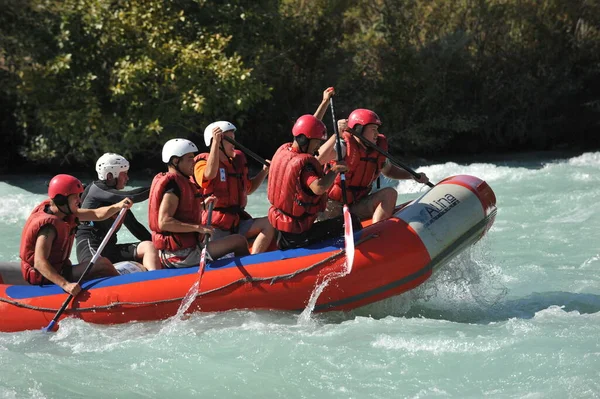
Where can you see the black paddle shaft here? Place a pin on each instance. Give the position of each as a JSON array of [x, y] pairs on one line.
[[338, 147], [389, 156], [208, 222], [248, 151]]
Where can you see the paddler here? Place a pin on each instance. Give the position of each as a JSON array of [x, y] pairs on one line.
[[49, 233]]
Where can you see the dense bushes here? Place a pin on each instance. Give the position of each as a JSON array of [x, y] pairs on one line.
[[80, 77]]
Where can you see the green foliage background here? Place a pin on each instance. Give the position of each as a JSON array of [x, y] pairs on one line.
[[82, 77]]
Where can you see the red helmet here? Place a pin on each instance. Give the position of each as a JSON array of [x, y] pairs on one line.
[[363, 117], [64, 185], [310, 127]]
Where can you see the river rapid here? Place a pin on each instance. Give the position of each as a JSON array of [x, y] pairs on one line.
[[516, 315]]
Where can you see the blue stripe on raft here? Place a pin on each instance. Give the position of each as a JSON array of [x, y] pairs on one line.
[[32, 291]]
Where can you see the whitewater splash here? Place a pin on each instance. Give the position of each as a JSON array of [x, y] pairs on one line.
[[587, 159], [467, 289], [188, 299], [305, 316]]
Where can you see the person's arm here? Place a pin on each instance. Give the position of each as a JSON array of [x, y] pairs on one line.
[[136, 228], [166, 221], [394, 172], [103, 194], [103, 213], [43, 247], [327, 94], [212, 163], [140, 194], [257, 180], [321, 185], [327, 151]]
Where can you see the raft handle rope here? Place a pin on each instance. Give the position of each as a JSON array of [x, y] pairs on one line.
[[244, 280]]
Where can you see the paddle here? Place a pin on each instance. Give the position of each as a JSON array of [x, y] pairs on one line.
[[248, 151], [389, 156], [206, 239], [192, 293], [114, 226], [348, 233]]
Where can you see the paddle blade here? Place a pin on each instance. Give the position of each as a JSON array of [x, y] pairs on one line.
[[202, 266], [51, 327], [349, 238]]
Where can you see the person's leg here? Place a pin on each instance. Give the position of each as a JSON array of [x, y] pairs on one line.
[[85, 249], [146, 252], [218, 234], [188, 257], [290, 241], [331, 228], [235, 243], [101, 268], [333, 209], [380, 205], [261, 229]]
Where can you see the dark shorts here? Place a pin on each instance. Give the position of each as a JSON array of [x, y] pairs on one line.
[[188, 257], [86, 249], [319, 231]]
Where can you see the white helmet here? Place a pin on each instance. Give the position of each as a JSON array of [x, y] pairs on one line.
[[177, 148], [224, 125], [111, 163]]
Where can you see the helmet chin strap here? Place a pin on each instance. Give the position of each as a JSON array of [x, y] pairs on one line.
[[68, 211], [113, 180], [176, 166], [222, 148]]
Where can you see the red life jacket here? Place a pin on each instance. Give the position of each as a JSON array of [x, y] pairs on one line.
[[364, 167], [231, 188], [188, 211], [61, 246], [294, 207]]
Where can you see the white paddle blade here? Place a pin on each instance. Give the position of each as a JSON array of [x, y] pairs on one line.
[[349, 238], [202, 264]]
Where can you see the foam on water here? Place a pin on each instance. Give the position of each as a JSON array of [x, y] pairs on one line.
[[587, 159], [517, 315]]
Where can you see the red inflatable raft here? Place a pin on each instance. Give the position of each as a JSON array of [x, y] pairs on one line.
[[391, 257]]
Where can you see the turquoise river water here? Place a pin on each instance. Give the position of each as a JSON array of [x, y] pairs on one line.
[[517, 315]]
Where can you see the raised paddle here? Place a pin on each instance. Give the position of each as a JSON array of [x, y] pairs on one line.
[[348, 233], [248, 151], [389, 156], [114, 226]]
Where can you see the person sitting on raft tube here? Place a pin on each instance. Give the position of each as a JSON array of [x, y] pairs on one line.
[[364, 167], [49, 233], [175, 212], [297, 188], [223, 172], [107, 190]]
